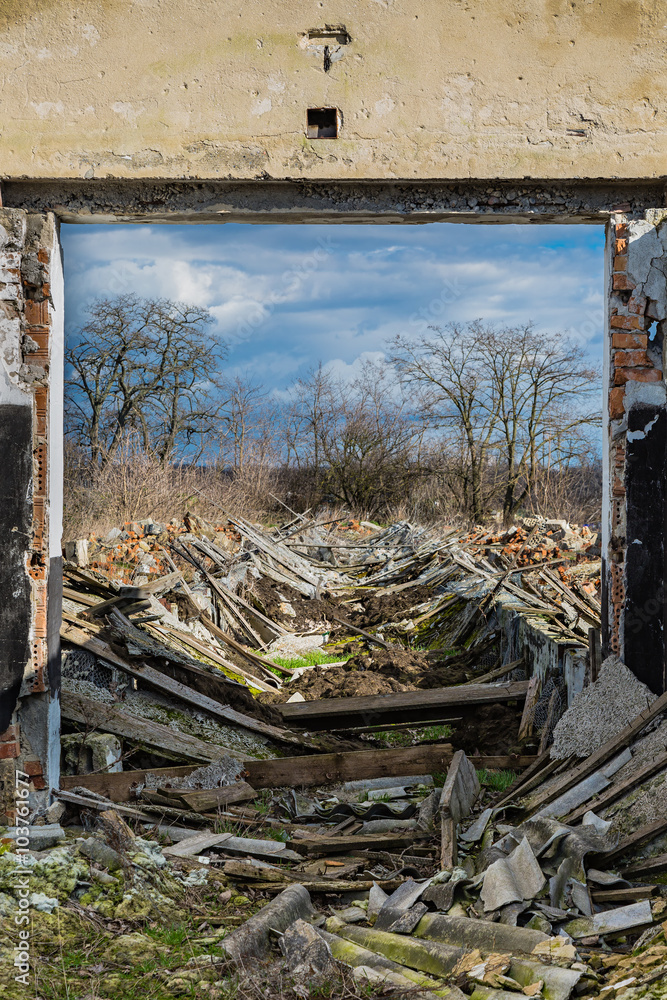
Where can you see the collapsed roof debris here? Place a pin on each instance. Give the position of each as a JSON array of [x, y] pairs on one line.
[[359, 827]]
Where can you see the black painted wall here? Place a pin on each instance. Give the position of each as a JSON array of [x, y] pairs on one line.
[[646, 512], [15, 528]]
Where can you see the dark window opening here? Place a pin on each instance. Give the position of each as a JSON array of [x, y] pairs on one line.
[[322, 123], [333, 34]]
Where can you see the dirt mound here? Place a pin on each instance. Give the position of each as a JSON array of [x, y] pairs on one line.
[[336, 682], [376, 672], [390, 607], [274, 599], [403, 665]]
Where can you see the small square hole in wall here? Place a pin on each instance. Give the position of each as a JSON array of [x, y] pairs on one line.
[[322, 123]]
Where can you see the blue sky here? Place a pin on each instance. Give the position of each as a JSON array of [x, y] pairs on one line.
[[287, 297]]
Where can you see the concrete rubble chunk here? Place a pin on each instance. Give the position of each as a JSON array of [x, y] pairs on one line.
[[600, 711], [305, 950], [253, 939], [483, 934], [97, 850], [40, 838]]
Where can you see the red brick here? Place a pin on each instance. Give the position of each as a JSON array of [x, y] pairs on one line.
[[10, 734], [37, 313], [621, 283], [9, 750], [620, 262], [621, 246], [626, 322], [625, 340], [616, 405], [32, 767], [622, 231], [38, 782], [632, 359], [623, 375], [637, 304]]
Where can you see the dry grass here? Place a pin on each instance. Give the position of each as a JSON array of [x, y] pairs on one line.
[[136, 487]]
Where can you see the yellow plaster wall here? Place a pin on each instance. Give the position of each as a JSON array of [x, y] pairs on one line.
[[427, 89]]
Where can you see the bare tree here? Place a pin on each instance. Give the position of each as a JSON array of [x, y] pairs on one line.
[[247, 423], [144, 365], [356, 438], [511, 396]]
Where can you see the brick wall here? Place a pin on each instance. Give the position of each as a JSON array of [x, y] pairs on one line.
[[635, 493], [26, 314]]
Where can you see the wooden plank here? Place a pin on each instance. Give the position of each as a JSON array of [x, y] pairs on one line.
[[106, 718], [532, 694], [205, 799], [651, 866], [459, 794], [622, 896], [196, 844], [161, 682], [91, 803], [334, 887], [332, 713], [252, 657], [79, 598], [605, 798], [640, 836], [617, 743], [118, 785], [498, 672], [594, 653], [322, 846], [322, 769], [549, 723], [163, 631]]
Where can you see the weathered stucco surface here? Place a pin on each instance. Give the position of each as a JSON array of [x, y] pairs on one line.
[[427, 89]]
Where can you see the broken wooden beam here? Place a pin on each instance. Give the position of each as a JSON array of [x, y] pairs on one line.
[[630, 894], [118, 785], [641, 836], [162, 682], [209, 799], [650, 867], [114, 718], [459, 794], [591, 764], [404, 706], [317, 847], [329, 768]]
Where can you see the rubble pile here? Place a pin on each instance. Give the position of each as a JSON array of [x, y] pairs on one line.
[[323, 749], [432, 882]]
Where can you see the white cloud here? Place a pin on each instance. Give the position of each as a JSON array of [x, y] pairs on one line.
[[287, 297]]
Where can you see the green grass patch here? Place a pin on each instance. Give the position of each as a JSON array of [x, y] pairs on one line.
[[312, 659], [497, 781], [409, 737]]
